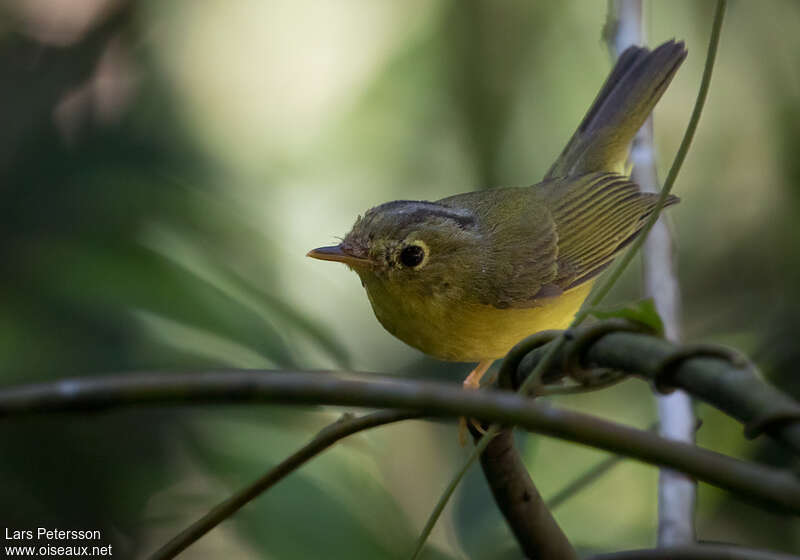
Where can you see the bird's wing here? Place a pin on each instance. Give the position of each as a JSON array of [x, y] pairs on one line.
[[541, 241], [595, 217], [516, 262]]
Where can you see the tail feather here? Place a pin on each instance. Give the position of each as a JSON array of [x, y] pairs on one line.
[[634, 86]]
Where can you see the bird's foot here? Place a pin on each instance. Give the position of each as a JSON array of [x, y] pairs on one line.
[[472, 383]]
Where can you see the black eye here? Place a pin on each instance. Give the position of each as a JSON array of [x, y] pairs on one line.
[[412, 256]]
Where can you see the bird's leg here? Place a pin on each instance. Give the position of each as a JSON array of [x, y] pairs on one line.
[[472, 382]]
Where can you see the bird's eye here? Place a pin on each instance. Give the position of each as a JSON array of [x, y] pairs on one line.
[[412, 256]]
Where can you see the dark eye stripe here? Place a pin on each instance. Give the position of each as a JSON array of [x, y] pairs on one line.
[[414, 211]]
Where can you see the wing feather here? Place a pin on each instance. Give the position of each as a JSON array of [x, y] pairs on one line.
[[543, 240], [595, 217]]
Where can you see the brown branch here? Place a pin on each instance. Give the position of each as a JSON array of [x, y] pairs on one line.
[[756, 482], [537, 532], [345, 426]]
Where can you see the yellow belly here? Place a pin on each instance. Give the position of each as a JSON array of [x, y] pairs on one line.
[[472, 333]]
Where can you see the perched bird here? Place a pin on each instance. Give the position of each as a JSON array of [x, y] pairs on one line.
[[468, 276]]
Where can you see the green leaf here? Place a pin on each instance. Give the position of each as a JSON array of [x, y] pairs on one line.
[[642, 312]]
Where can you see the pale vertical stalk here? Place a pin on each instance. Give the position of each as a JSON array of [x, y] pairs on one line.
[[676, 491]]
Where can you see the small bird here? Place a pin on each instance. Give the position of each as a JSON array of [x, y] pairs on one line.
[[466, 277]]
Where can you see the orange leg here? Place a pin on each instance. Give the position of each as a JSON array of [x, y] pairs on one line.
[[472, 382]]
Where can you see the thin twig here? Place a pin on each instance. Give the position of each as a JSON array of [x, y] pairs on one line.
[[583, 480], [592, 474], [323, 440], [448, 491], [756, 482], [555, 390]]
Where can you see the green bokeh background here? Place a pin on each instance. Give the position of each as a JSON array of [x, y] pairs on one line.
[[164, 168]]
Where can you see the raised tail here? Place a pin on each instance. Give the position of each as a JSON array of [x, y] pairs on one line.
[[627, 97]]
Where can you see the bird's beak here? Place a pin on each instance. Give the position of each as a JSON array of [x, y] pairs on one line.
[[337, 254]]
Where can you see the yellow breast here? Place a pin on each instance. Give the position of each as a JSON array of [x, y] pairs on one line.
[[470, 332]]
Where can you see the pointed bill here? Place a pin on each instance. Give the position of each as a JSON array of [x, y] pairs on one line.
[[337, 254]]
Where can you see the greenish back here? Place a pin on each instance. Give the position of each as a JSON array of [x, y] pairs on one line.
[[540, 241]]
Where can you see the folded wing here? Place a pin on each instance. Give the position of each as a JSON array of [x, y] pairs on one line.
[[595, 217]]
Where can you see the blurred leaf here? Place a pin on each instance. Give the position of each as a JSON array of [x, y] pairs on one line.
[[317, 332], [210, 267], [96, 279], [642, 312]]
